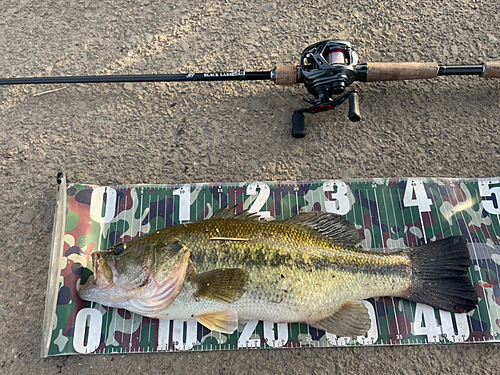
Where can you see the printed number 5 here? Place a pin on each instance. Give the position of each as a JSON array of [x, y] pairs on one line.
[[486, 191]]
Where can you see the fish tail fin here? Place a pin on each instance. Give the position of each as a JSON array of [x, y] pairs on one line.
[[439, 275]]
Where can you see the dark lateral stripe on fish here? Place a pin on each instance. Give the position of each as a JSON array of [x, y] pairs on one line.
[[260, 257]]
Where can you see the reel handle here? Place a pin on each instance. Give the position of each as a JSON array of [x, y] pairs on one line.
[[354, 114], [298, 127]]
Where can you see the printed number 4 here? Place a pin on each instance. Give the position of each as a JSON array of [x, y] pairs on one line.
[[416, 188]]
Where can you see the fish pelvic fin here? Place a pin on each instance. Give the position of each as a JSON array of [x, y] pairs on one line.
[[221, 285], [439, 275], [352, 319], [225, 321], [334, 227]]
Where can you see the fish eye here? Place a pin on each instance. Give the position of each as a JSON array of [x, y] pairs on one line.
[[119, 249]]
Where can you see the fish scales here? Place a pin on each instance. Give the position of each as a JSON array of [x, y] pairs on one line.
[[304, 269], [305, 275]]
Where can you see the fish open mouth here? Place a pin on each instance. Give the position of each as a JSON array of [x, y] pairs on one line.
[[103, 273], [100, 287]]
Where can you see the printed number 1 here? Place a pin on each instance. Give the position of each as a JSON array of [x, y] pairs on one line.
[[416, 188], [184, 194]]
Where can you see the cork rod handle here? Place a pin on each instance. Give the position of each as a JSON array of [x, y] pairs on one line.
[[491, 69], [286, 75], [401, 71]]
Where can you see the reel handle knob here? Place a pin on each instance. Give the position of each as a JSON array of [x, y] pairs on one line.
[[298, 128], [354, 114]]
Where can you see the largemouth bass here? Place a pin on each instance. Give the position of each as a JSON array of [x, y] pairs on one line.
[[234, 267]]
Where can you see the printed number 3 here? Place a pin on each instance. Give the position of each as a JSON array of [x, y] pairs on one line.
[[340, 205]]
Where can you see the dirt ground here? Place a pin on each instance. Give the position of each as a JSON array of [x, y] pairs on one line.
[[114, 134]]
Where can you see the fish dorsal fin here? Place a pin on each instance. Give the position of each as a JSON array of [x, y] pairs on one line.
[[351, 320], [229, 212], [221, 285], [337, 229], [221, 321]]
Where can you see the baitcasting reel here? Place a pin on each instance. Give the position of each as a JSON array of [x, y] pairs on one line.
[[326, 68]]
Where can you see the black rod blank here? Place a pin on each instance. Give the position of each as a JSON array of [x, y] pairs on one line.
[[230, 76]]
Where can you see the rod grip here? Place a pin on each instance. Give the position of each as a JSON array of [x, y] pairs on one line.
[[378, 71], [298, 127], [491, 69], [286, 75]]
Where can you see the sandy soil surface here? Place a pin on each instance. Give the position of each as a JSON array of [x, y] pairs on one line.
[[183, 133]]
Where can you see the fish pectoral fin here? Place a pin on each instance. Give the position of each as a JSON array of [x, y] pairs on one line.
[[221, 285], [225, 321], [351, 320], [333, 227]]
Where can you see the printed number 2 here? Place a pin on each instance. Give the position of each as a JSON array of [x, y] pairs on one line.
[[341, 204], [261, 200], [486, 191], [416, 187]]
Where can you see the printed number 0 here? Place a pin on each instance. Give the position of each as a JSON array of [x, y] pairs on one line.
[[269, 334], [96, 202], [94, 333]]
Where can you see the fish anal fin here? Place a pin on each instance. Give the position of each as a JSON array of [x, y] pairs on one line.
[[222, 285], [225, 321], [332, 226], [352, 319]]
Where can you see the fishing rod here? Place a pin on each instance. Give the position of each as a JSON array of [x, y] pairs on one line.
[[326, 69]]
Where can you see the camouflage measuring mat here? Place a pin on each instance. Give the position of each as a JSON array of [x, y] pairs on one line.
[[392, 214]]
